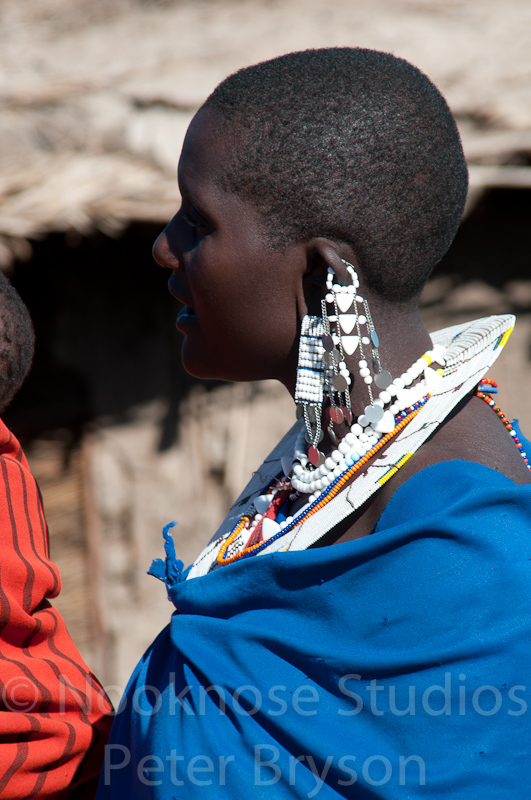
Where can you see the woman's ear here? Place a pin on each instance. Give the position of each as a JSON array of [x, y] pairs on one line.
[[322, 254]]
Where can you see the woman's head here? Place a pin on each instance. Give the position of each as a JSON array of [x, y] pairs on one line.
[[289, 167], [353, 145]]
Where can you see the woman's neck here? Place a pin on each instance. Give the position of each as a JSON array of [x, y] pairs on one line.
[[403, 339]]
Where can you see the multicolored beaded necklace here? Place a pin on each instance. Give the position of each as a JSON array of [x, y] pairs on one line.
[[253, 547], [470, 349], [486, 387]]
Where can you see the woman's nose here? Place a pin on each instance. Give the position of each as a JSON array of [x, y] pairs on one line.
[[163, 253]]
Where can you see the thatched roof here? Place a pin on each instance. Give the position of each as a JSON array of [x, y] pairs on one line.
[[95, 97]]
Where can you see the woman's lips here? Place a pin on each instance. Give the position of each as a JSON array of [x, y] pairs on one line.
[[186, 311], [185, 316]]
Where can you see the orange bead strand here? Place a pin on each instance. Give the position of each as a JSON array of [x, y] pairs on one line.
[[317, 507]]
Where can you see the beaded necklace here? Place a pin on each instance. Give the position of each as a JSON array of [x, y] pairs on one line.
[[322, 480], [224, 556], [309, 477], [486, 387], [470, 349]]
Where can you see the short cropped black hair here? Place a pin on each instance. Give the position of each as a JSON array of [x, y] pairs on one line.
[[349, 144], [17, 341]]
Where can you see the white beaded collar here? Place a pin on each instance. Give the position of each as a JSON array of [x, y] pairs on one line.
[[471, 348]]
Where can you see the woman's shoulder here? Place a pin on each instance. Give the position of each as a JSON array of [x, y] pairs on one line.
[[473, 432], [459, 497], [471, 457]]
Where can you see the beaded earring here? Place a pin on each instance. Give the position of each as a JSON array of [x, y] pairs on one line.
[[338, 341], [345, 300], [322, 371], [309, 389]]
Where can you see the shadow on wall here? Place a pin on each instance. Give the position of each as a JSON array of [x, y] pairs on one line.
[[106, 338], [491, 250], [105, 322]]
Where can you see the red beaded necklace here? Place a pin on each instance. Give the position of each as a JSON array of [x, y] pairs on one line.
[[486, 387]]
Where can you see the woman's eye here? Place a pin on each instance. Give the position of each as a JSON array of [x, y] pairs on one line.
[[194, 219]]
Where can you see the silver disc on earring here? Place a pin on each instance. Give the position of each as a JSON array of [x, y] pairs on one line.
[[374, 413], [328, 342], [339, 382], [315, 456], [347, 414], [332, 435], [336, 415], [332, 358], [383, 379]]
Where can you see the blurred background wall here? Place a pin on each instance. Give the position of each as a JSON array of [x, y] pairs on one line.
[[95, 97]]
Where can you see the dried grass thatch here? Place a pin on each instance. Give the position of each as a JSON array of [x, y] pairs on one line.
[[96, 96]]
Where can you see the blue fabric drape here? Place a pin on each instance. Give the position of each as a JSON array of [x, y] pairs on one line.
[[393, 666]]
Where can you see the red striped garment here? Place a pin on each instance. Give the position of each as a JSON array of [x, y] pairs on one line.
[[54, 714]]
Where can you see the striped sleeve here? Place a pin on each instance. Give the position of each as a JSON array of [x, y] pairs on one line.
[[54, 715]]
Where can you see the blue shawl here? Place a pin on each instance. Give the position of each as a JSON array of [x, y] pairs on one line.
[[392, 666]]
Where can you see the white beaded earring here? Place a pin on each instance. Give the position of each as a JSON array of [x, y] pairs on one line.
[[345, 311], [336, 342], [322, 371], [345, 300], [309, 389]]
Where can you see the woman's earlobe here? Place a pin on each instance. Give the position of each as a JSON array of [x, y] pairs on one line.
[[316, 278], [314, 287]]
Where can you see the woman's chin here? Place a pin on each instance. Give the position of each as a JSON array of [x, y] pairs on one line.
[[199, 364], [226, 363], [194, 367]]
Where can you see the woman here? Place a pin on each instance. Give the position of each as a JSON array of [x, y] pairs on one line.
[[359, 622]]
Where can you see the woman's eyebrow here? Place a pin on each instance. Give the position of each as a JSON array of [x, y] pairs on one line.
[[181, 183], [193, 196]]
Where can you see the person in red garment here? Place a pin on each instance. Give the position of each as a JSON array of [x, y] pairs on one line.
[[54, 714]]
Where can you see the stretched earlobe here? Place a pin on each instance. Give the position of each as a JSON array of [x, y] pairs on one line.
[[314, 287]]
